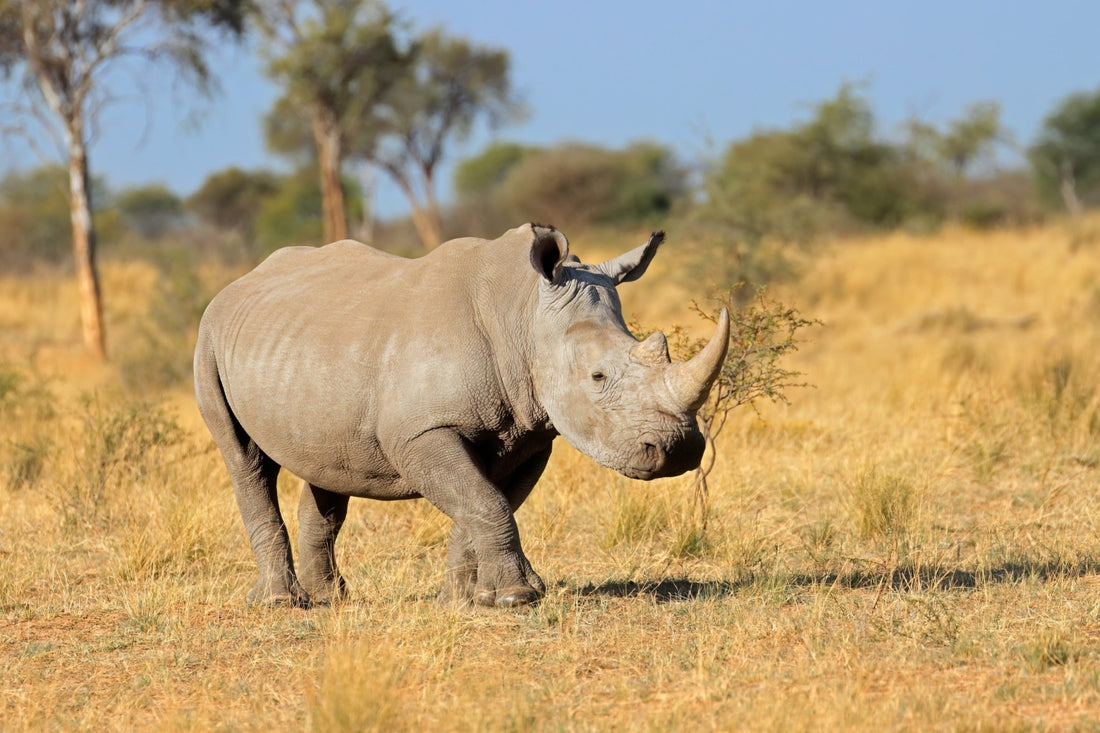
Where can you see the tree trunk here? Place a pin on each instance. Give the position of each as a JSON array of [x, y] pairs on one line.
[[334, 216], [87, 275], [425, 216], [431, 212], [1069, 190], [427, 226]]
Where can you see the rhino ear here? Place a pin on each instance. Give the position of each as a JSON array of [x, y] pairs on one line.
[[632, 265], [548, 251]]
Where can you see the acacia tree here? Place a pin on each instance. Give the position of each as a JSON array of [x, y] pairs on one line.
[[1066, 154], [336, 61], [60, 51], [451, 85], [971, 136]]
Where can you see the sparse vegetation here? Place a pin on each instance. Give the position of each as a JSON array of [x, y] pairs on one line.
[[912, 544]]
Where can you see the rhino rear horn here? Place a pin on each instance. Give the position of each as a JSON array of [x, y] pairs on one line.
[[690, 381], [651, 352]]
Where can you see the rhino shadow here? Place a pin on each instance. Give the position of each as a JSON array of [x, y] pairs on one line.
[[902, 578]]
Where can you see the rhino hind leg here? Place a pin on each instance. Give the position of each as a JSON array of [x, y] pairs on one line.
[[321, 514], [254, 477], [254, 484]]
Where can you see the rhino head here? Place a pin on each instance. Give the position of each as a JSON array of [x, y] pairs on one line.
[[619, 400]]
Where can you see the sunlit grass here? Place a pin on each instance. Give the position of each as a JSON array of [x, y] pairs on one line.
[[912, 544]]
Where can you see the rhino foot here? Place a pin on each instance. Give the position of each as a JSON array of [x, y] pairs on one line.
[[507, 583], [509, 597], [294, 596], [327, 592]]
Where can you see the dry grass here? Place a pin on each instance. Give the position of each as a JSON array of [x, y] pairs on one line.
[[914, 544]]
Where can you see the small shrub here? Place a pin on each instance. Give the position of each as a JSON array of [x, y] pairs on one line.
[[27, 461], [883, 508], [1049, 648], [115, 446], [27, 418], [761, 334], [159, 353], [983, 215], [1064, 393], [636, 517], [689, 540]]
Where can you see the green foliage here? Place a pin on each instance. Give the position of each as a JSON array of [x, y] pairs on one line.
[[828, 173], [10, 37], [1065, 157], [834, 173], [971, 136], [293, 215], [150, 210], [159, 351], [335, 67], [655, 181], [353, 92], [225, 14], [575, 186], [451, 86], [232, 198], [35, 223], [480, 177]]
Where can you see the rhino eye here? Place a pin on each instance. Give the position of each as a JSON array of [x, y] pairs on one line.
[[598, 376]]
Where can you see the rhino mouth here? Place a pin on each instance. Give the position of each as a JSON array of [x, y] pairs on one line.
[[656, 458]]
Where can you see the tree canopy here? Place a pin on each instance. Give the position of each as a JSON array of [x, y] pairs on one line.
[[360, 87], [336, 60], [1066, 154]]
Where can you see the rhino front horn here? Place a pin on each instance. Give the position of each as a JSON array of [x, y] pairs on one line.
[[690, 381]]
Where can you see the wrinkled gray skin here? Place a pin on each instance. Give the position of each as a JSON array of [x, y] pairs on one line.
[[445, 377]]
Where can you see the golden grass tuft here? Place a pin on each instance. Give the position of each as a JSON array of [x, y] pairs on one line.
[[911, 544]]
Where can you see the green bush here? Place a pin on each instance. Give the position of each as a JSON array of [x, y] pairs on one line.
[[571, 186], [150, 210], [292, 216]]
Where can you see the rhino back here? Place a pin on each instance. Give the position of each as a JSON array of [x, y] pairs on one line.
[[331, 357]]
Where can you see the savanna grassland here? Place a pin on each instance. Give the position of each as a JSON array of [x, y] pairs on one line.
[[912, 543]]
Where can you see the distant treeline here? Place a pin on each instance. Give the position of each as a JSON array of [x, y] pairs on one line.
[[834, 173]]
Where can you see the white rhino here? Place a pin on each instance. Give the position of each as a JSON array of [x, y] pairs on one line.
[[445, 377]]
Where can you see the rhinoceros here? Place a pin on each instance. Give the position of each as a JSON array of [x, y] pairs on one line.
[[445, 377]]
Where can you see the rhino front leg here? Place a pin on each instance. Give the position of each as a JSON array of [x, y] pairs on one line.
[[321, 514], [461, 580], [449, 475]]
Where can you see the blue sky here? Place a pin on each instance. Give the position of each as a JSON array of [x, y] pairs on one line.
[[693, 74]]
